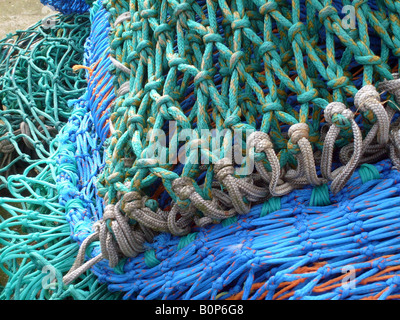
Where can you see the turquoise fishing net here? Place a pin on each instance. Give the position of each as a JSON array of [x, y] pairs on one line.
[[38, 249], [36, 85]]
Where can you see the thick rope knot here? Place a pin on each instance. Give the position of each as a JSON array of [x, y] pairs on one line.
[[182, 12], [328, 13], [298, 131], [133, 204], [260, 141], [162, 34], [145, 50], [342, 174], [365, 96], [240, 24], [183, 187], [212, 38], [296, 28], [238, 189], [223, 168], [163, 103], [117, 238], [235, 59], [337, 108], [368, 98], [154, 84], [266, 47], [298, 134], [134, 199], [337, 83], [201, 80], [268, 7], [224, 171]]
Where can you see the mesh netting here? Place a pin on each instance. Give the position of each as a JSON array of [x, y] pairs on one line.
[[37, 82]]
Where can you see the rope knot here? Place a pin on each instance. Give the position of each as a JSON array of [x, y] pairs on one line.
[[260, 141], [162, 33], [365, 96], [109, 212], [328, 12], [307, 96], [298, 27], [181, 13], [212, 38], [298, 131], [268, 7], [266, 47], [338, 83], [336, 108], [145, 50], [162, 104], [240, 24], [235, 59], [183, 187], [367, 99], [134, 199], [200, 78], [223, 168]]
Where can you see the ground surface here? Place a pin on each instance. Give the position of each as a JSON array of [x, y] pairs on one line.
[[20, 14]]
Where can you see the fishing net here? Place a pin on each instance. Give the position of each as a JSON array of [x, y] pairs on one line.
[[36, 84], [36, 248], [310, 97]]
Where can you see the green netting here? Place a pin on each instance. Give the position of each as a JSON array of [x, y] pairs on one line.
[[38, 89], [37, 81]]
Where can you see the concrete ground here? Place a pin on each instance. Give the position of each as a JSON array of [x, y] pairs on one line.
[[20, 14]]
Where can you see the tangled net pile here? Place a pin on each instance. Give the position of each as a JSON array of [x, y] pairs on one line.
[[314, 100], [36, 84]]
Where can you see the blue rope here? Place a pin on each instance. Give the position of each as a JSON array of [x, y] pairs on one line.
[[67, 6]]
